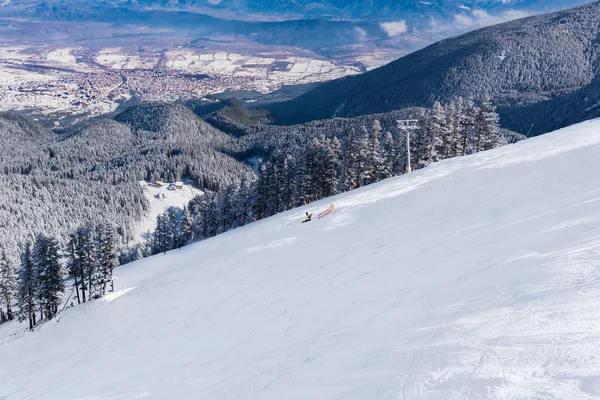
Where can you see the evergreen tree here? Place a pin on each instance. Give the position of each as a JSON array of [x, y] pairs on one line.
[[306, 185], [75, 266], [456, 127], [452, 139], [437, 130], [225, 208], [108, 260], [172, 228], [166, 231], [243, 203], [8, 283], [488, 126], [91, 256], [212, 215], [288, 182], [260, 205], [388, 156], [468, 135], [26, 294], [421, 142], [375, 159], [333, 161], [185, 230], [50, 276], [400, 149], [362, 157], [349, 162], [139, 253]]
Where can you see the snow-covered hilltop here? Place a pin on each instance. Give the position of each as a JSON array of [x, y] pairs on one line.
[[474, 278]]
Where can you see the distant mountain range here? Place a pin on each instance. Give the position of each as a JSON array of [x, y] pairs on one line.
[[320, 26], [543, 72], [413, 10]]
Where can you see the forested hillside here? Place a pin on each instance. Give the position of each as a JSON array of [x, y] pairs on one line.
[[341, 155], [73, 200], [54, 183], [538, 64]]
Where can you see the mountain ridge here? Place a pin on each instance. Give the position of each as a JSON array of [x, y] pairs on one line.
[[519, 63]]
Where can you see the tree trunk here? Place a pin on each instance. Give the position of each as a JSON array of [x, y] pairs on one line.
[[77, 289], [82, 284]]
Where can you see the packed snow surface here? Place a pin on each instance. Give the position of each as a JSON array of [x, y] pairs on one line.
[[475, 278]]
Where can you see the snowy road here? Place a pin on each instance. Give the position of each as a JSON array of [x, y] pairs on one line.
[[476, 278]]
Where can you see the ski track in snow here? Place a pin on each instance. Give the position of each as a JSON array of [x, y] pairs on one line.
[[475, 278]]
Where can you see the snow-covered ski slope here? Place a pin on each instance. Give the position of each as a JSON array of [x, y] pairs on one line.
[[475, 278]]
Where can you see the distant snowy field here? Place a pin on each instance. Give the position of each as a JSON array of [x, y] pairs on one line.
[[160, 199], [475, 278]]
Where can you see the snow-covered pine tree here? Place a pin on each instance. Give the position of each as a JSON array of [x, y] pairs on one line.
[[91, 257], [139, 253], [455, 128], [260, 203], [362, 157], [242, 204], [400, 149], [198, 213], [288, 182], [388, 156], [333, 165], [451, 139], [211, 218], [26, 292], [160, 236], [8, 283], [185, 228], [375, 161], [468, 117], [75, 266], [421, 141], [488, 125], [347, 180], [437, 131], [322, 168], [273, 176], [172, 218], [107, 254], [306, 173], [50, 275]]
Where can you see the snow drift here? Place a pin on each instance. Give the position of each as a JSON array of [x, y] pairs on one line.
[[475, 278]]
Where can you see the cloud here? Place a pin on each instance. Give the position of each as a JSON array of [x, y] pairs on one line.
[[360, 33], [394, 28], [479, 18]]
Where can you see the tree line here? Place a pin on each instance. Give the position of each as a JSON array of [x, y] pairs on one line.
[[292, 177], [37, 285], [55, 182], [324, 167]]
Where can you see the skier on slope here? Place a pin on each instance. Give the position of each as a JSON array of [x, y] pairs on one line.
[[308, 217]]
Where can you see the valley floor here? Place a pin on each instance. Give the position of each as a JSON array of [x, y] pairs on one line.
[[475, 278]]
